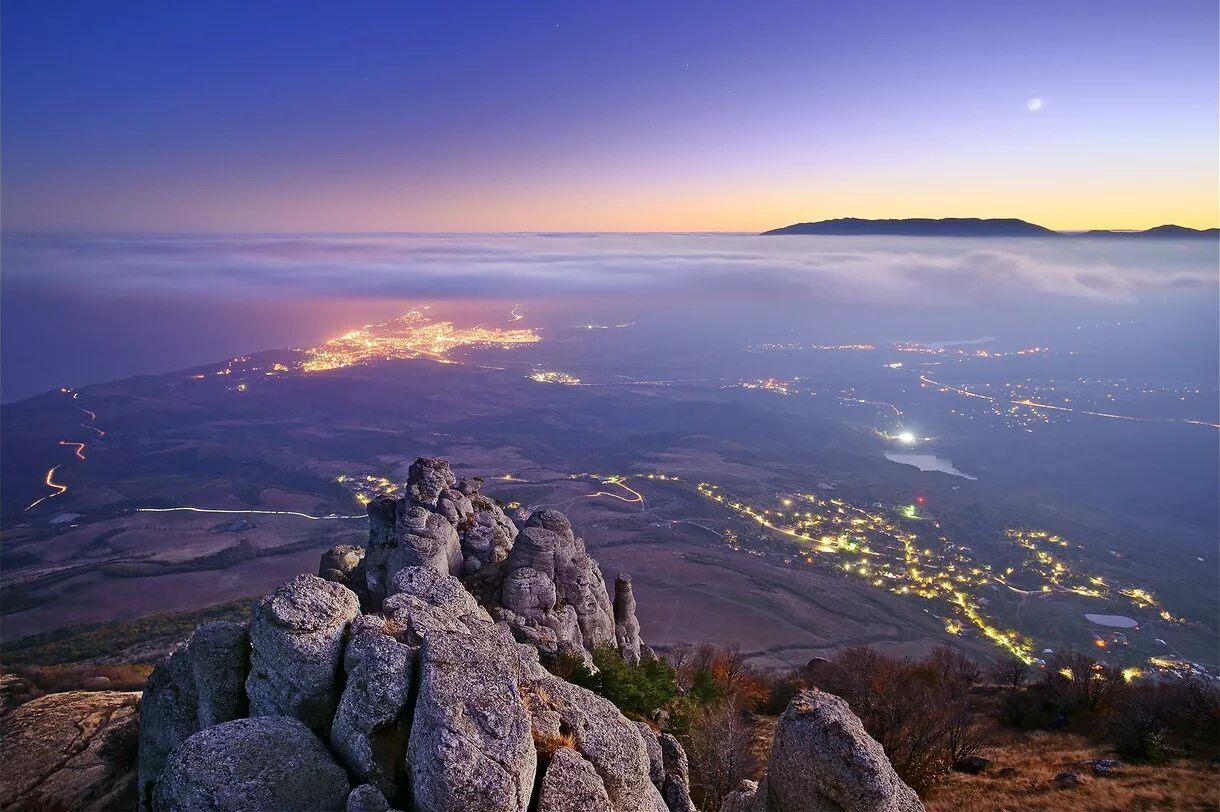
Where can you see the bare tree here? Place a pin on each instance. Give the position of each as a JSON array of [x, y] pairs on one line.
[[1011, 672], [1081, 681], [721, 750]]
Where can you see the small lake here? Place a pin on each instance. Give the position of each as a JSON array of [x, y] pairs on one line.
[[1115, 621], [926, 462]]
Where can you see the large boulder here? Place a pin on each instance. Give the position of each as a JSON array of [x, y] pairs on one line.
[[471, 747], [571, 784], [74, 750], [424, 600], [626, 626], [297, 636], [370, 728], [251, 765], [199, 685], [822, 760]]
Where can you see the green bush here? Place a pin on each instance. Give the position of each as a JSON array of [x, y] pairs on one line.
[[637, 690]]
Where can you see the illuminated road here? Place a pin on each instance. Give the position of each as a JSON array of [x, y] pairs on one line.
[[636, 496], [1033, 404], [80, 448], [514, 314], [50, 482], [186, 509]]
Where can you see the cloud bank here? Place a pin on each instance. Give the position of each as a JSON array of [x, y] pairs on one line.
[[534, 266]]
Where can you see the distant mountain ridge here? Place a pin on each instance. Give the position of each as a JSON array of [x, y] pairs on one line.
[[972, 227]]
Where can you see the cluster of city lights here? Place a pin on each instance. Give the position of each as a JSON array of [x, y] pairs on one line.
[[415, 335], [554, 376]]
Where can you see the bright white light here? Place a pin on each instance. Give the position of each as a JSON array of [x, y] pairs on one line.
[[1033, 105], [906, 437]]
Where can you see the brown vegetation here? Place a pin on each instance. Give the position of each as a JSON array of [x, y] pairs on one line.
[[1037, 757]]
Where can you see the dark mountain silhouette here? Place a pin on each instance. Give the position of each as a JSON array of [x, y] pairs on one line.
[[972, 227], [1163, 232]]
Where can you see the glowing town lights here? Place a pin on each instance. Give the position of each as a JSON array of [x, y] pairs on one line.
[[414, 335], [551, 376], [906, 438]]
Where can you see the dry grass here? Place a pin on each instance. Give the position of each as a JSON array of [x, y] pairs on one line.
[[546, 744], [1039, 757]]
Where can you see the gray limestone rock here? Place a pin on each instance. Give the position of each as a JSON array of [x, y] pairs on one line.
[[471, 748], [251, 765], [455, 507], [822, 760], [297, 639], [199, 685], [370, 728], [425, 600], [571, 784], [626, 626]]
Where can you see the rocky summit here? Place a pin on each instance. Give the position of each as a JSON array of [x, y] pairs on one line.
[[409, 675]]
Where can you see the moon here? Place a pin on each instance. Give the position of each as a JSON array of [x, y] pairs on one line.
[[1033, 105]]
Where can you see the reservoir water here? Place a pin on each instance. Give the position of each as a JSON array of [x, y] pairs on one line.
[[926, 462]]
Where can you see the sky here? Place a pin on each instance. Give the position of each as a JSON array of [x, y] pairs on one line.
[[587, 116]]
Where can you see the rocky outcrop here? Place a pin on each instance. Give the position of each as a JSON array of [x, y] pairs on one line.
[[74, 750], [297, 635], [370, 728], [251, 764], [626, 626], [200, 685], [431, 702], [571, 784], [822, 760]]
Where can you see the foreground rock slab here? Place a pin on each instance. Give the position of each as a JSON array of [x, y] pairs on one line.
[[74, 750]]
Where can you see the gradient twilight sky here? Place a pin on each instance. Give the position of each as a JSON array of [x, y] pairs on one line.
[[456, 116]]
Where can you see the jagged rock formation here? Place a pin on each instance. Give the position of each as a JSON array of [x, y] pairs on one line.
[[72, 750], [822, 760], [432, 703]]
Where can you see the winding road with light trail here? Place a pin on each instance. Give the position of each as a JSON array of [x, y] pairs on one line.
[[78, 451]]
